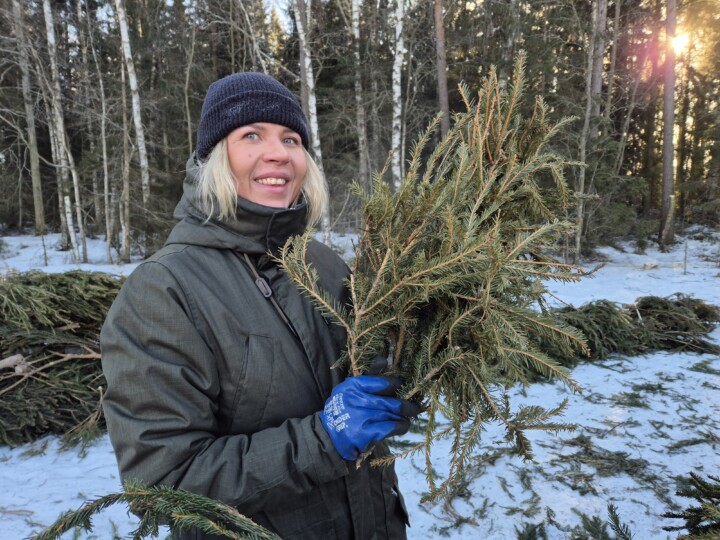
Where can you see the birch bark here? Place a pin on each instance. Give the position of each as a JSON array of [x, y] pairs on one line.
[[397, 22], [135, 97], [441, 68], [303, 17], [66, 161], [363, 152]]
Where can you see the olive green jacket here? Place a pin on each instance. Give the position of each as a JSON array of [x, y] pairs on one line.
[[210, 391]]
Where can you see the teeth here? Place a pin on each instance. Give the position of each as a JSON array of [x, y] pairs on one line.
[[272, 181]]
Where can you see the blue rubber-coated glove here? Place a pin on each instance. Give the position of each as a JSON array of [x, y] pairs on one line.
[[361, 412]]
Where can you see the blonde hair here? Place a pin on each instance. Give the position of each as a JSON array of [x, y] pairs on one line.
[[218, 194]]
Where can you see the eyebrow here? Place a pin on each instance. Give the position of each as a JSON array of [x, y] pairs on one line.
[[260, 127]]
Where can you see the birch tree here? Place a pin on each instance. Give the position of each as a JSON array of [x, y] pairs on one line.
[[303, 17], [441, 68], [135, 97], [124, 209], [64, 155], [29, 119], [397, 22], [363, 152]]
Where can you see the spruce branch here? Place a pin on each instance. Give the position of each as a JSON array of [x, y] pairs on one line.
[[703, 519], [180, 509], [449, 271]]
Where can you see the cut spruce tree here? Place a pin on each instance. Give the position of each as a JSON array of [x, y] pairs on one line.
[[449, 273]]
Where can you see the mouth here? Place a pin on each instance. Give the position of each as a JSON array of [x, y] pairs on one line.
[[272, 181]]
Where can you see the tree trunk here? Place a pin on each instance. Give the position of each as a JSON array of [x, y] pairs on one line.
[[257, 57], [441, 68], [302, 19], [64, 155], [683, 153], [598, 47], [38, 203], [136, 109], [124, 206], [398, 19], [186, 91], [511, 29], [611, 72], [667, 231], [584, 134], [108, 198], [626, 122], [363, 152], [649, 126]]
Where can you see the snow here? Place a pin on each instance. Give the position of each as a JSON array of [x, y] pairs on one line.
[[643, 422]]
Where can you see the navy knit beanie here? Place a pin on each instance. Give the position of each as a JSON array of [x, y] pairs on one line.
[[243, 98]]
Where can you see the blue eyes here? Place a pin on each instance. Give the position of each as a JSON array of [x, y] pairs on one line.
[[252, 136]]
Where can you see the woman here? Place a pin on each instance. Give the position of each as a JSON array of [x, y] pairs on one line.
[[219, 370]]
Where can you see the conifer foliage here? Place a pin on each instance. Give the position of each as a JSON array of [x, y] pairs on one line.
[[702, 521], [448, 277], [50, 375], [180, 509]]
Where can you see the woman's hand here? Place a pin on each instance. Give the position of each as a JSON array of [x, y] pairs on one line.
[[362, 411]]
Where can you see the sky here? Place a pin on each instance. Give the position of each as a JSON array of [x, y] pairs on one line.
[[644, 423]]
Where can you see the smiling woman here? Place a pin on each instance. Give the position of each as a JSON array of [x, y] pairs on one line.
[[218, 368]]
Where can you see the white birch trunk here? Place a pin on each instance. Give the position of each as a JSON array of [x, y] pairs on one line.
[[136, 109], [363, 152], [124, 205], [303, 17], [441, 68], [398, 20], [63, 151]]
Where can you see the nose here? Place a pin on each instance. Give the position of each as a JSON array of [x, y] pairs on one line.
[[275, 149]]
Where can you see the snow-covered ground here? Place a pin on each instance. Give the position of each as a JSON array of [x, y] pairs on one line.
[[644, 423]]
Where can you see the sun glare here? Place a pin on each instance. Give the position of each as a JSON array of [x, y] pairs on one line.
[[680, 43]]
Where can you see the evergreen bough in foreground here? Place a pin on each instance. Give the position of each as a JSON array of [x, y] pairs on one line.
[[703, 520], [180, 509], [448, 277]]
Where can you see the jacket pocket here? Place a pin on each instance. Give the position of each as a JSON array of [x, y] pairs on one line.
[[252, 384]]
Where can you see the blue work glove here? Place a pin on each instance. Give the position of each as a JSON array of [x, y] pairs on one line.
[[361, 412]]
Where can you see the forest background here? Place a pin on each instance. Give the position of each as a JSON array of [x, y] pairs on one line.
[[100, 99]]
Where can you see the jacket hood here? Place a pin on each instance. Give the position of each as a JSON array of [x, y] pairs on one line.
[[256, 229]]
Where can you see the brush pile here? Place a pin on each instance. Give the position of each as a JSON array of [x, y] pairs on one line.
[[50, 375]]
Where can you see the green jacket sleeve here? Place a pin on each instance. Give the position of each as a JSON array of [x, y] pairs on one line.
[[161, 407]]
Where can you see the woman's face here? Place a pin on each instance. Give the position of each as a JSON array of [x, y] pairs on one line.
[[268, 163]]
